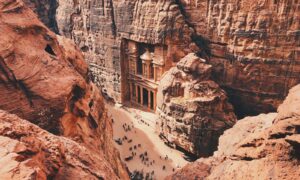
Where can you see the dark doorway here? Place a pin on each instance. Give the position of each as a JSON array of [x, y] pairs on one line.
[[139, 94], [139, 65], [152, 99], [145, 97], [133, 91]]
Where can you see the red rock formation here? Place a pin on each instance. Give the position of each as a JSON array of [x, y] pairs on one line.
[[29, 152], [262, 147], [193, 110], [43, 79]]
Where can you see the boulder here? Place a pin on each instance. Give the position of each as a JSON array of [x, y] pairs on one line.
[[193, 110]]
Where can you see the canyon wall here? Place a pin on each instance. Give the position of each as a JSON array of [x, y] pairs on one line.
[[266, 146], [44, 79], [254, 48], [249, 44]]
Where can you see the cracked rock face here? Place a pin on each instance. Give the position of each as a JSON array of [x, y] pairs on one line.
[[43, 79], [193, 110], [260, 147]]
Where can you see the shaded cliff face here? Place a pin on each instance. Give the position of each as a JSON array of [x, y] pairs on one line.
[[46, 10], [260, 147], [250, 45], [254, 48], [43, 79], [193, 110]]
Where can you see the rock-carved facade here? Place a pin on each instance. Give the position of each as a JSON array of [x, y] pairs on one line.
[[143, 66]]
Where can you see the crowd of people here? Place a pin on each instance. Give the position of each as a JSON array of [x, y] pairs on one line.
[[136, 150]]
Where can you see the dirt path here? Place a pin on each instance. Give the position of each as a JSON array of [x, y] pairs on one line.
[[149, 153]]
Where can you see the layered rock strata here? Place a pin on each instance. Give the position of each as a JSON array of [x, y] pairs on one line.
[[44, 79], [193, 110], [260, 147]]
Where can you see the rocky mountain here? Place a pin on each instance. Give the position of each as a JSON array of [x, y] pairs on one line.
[[266, 146], [44, 79]]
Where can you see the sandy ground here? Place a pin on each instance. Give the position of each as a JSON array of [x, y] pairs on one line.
[[142, 139]]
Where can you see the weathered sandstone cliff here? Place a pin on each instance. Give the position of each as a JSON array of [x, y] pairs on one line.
[[44, 79], [254, 48], [193, 110], [261, 147], [249, 44], [29, 152]]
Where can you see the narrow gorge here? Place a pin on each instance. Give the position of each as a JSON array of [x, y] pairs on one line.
[[149, 89]]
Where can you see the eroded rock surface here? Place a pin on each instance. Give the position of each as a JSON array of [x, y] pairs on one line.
[[44, 79], [29, 152], [253, 50], [193, 110], [261, 147]]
